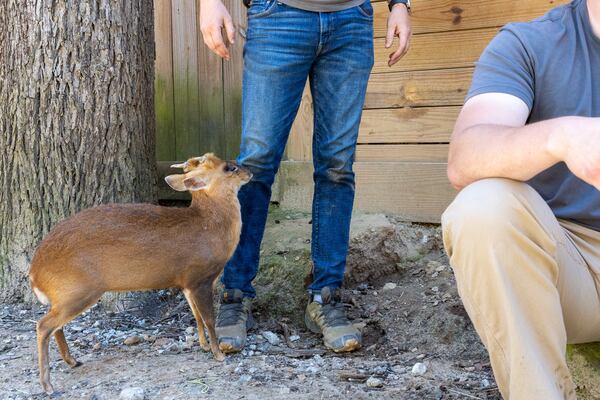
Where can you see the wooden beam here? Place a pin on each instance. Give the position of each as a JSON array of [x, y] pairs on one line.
[[232, 84], [163, 81], [417, 192], [185, 78], [408, 125], [402, 152], [445, 87], [449, 15], [437, 51]]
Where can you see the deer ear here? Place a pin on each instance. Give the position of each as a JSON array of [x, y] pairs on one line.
[[176, 182], [194, 183]]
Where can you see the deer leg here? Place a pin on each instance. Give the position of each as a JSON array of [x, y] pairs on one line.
[[63, 348], [52, 323], [202, 296], [201, 336]]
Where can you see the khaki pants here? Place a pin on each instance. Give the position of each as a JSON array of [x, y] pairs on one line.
[[528, 281]]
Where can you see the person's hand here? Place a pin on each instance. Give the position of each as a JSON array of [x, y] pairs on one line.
[[213, 17], [578, 145], [398, 24]]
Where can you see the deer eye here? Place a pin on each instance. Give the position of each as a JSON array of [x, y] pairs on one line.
[[230, 168]]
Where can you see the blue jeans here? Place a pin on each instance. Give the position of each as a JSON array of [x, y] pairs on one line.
[[284, 47]]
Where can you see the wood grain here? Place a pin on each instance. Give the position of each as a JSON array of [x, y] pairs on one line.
[[446, 87], [417, 192], [163, 81], [232, 84], [408, 125], [299, 147], [449, 15], [185, 78], [437, 51], [402, 152]]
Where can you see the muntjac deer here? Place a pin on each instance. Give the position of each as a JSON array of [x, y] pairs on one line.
[[126, 247]]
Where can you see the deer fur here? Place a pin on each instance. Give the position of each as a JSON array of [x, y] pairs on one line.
[[127, 247]]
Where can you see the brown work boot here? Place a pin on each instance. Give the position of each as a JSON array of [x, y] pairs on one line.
[[329, 318], [233, 321]]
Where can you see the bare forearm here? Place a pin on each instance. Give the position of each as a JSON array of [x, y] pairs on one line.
[[520, 153]]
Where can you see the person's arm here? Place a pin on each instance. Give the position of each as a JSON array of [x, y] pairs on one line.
[[490, 139], [213, 18], [398, 25]]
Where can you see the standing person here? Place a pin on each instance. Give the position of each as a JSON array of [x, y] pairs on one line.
[[523, 234], [329, 42]]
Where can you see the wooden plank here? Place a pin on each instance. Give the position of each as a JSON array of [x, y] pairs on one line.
[[420, 88], [448, 15], [408, 125], [299, 147], [437, 51], [210, 129], [417, 192], [402, 152], [232, 83], [163, 82], [185, 78]]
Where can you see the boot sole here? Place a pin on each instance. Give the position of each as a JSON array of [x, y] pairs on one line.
[[228, 348], [350, 345]]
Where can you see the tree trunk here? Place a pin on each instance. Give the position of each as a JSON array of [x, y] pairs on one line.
[[76, 118]]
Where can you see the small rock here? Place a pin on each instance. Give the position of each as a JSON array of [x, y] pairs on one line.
[[149, 338], [485, 383], [173, 348], [271, 337], [132, 393], [294, 338], [389, 286], [190, 330], [440, 268], [131, 340], [284, 390], [313, 369], [245, 378], [97, 346], [419, 369], [373, 382]]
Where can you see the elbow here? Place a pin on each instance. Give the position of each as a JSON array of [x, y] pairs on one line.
[[458, 172], [455, 176]]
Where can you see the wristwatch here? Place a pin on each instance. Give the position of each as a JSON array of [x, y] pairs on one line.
[[392, 3]]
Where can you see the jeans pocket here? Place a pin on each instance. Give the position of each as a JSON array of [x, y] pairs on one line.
[[366, 9], [261, 8]]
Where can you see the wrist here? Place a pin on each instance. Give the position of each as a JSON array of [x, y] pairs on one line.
[[557, 139], [393, 3]]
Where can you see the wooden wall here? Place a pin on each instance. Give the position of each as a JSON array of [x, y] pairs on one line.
[[410, 108], [198, 95], [409, 111]]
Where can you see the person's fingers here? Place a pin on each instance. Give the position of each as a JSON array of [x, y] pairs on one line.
[[389, 37], [401, 50], [230, 29], [217, 39], [208, 40]]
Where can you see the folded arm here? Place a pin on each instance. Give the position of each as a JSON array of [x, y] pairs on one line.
[[491, 139]]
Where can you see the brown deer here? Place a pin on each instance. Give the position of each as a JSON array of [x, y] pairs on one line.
[[126, 247]]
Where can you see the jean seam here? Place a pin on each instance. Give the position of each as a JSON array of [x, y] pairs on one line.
[[315, 217]]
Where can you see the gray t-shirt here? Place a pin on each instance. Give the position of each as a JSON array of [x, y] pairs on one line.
[[553, 65], [323, 5]]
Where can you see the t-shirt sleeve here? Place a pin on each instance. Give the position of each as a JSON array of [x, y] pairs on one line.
[[505, 67]]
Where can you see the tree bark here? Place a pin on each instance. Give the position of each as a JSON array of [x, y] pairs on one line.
[[76, 118]]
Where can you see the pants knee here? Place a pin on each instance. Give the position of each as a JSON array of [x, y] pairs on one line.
[[486, 210]]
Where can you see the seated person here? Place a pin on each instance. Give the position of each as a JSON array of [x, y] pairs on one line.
[[523, 234]]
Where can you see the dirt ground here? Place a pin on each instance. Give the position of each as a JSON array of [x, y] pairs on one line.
[[400, 292]]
